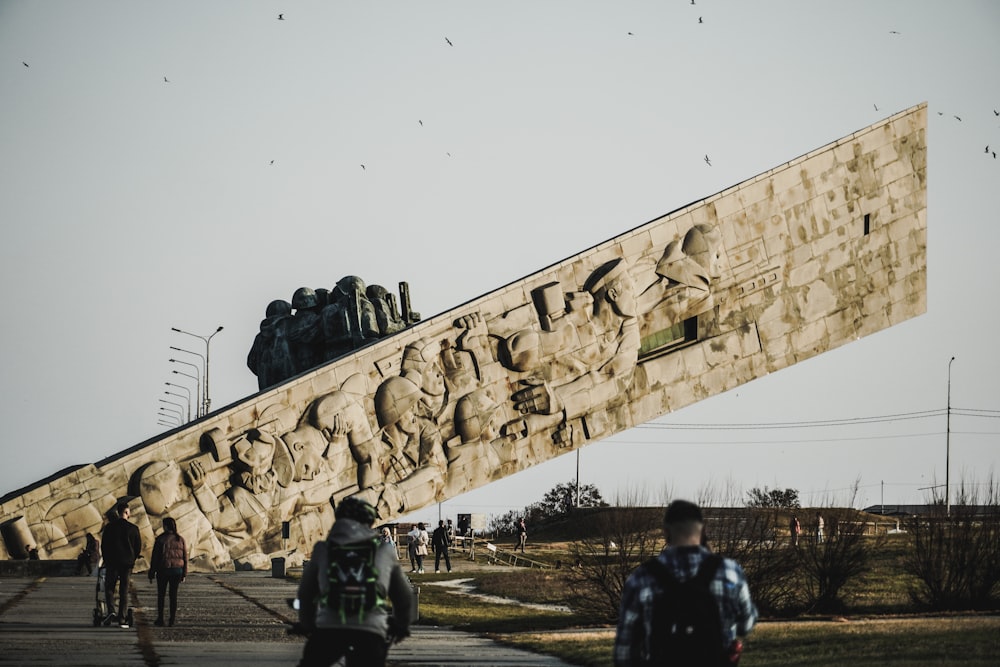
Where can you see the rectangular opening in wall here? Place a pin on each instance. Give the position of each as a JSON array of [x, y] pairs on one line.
[[670, 339], [868, 223]]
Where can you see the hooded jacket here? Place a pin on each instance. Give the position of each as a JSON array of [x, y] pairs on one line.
[[315, 585]]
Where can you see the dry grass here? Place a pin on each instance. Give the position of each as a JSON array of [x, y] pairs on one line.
[[879, 629]]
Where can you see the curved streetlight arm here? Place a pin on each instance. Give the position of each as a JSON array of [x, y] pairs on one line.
[[179, 416], [197, 382], [207, 340], [186, 398]]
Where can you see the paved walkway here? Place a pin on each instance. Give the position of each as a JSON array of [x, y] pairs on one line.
[[223, 619]]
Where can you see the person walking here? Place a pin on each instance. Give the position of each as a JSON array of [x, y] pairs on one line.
[[685, 578], [421, 542], [412, 538], [441, 543], [354, 625], [522, 534], [795, 530], [122, 546], [819, 528], [90, 557], [169, 567]]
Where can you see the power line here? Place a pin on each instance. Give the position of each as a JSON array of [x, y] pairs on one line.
[[817, 423]]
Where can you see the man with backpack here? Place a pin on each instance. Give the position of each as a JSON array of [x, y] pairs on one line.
[[345, 588], [686, 606]]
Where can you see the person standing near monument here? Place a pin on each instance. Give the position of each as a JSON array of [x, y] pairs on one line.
[[122, 546], [686, 606], [440, 542], [168, 566]]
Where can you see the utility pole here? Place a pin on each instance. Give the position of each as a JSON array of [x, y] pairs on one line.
[[947, 449]]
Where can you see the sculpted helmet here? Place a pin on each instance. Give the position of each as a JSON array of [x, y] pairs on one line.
[[393, 398], [278, 307], [356, 509], [304, 297], [351, 285]]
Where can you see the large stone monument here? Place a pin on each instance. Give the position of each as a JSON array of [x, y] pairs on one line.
[[801, 259]]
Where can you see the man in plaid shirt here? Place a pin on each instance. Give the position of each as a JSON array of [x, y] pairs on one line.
[[683, 525]]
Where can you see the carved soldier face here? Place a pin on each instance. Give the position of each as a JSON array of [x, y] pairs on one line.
[[160, 486], [306, 445], [432, 379]]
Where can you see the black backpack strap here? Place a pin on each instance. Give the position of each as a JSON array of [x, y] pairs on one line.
[[703, 577]]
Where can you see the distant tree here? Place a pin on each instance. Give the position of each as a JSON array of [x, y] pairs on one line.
[[561, 499], [787, 499]]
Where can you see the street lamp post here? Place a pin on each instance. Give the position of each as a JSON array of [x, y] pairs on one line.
[[186, 398], [197, 382], [202, 373], [188, 391], [180, 407], [207, 340], [947, 448], [170, 412]]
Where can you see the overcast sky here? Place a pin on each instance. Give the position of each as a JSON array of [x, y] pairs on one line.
[[182, 164]]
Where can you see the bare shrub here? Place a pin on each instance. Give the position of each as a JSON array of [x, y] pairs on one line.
[[955, 557], [621, 539], [844, 554], [749, 536]]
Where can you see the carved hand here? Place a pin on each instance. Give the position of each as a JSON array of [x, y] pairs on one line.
[[536, 398], [196, 473]]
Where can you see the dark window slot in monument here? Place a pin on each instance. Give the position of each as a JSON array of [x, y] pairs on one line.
[[868, 223], [669, 340]]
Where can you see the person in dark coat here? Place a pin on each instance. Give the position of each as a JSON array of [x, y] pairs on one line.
[[169, 567], [90, 557], [122, 546]]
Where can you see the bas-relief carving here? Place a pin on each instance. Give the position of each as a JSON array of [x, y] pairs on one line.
[[472, 399], [492, 394]]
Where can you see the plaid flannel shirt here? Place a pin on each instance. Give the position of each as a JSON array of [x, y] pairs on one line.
[[736, 607]]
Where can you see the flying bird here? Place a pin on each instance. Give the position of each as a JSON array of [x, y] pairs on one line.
[[362, 167], [699, 20], [166, 80], [631, 34], [281, 17], [894, 32], [25, 64], [272, 161], [449, 41], [421, 122], [958, 119], [876, 107], [995, 112], [707, 161]]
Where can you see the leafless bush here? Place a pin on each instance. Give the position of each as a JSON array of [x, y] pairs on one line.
[[622, 538], [828, 565], [955, 556], [750, 537]]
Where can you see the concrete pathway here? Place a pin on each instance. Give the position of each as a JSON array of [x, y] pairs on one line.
[[223, 619]]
